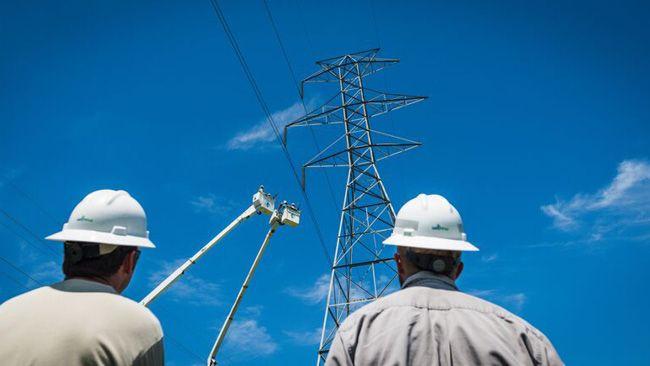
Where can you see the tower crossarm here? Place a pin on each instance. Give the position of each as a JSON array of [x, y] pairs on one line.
[[328, 73], [337, 159], [377, 104], [367, 61]]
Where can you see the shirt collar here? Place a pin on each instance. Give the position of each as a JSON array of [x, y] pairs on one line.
[[430, 279], [81, 285]]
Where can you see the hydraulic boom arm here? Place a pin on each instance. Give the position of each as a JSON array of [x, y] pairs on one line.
[[262, 203], [286, 215]]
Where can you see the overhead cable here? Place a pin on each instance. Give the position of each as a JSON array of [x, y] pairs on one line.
[[302, 99], [258, 94]]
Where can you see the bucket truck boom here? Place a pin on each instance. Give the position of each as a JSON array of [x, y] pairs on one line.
[[263, 203], [287, 214]]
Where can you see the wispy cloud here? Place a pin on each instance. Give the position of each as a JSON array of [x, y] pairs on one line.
[[8, 175], [515, 301], [211, 204], [188, 289], [261, 134], [623, 203], [252, 311], [45, 271], [48, 272], [248, 335], [304, 338], [313, 294], [489, 258]]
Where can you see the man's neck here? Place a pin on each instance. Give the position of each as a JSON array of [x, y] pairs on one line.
[[430, 279], [97, 279]]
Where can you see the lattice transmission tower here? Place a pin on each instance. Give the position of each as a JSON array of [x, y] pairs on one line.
[[360, 272]]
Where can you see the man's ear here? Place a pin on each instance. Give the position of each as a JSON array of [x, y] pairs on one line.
[[128, 266], [459, 269], [398, 260]]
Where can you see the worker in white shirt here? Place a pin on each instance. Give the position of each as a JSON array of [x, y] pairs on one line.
[[83, 320], [429, 321]]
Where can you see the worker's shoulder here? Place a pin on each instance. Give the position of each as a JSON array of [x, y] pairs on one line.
[[109, 306], [23, 298], [132, 312], [419, 298]]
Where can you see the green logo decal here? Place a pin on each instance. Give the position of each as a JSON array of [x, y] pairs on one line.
[[84, 218], [438, 227]]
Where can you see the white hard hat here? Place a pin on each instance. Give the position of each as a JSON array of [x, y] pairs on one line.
[[107, 217], [429, 222]]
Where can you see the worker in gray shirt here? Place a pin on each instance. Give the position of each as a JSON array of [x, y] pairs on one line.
[[83, 320], [429, 321]]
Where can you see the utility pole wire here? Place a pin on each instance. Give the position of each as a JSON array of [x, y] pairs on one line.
[[40, 207], [373, 17], [15, 267], [28, 230], [258, 94], [185, 348], [15, 281], [302, 99]]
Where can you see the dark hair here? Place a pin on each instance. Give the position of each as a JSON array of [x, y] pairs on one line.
[[429, 259], [88, 263]]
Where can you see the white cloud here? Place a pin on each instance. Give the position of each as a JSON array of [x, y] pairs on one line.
[[515, 301], [383, 281], [252, 311], [304, 338], [261, 134], [489, 258], [246, 338], [481, 293], [313, 294], [249, 338], [624, 202], [188, 289], [43, 270], [212, 204], [48, 272]]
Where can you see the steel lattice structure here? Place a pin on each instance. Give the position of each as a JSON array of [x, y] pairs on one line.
[[360, 271]]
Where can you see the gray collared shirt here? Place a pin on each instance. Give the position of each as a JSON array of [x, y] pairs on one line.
[[78, 322], [430, 322]]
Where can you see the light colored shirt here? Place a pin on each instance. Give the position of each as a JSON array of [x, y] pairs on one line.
[[429, 322], [78, 322]]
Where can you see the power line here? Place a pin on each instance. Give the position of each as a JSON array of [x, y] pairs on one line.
[[302, 99], [15, 267], [185, 348], [25, 239], [284, 51], [269, 118], [302, 18], [15, 281], [26, 229], [373, 18], [40, 207]]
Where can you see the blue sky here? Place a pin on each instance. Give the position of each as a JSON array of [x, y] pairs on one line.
[[536, 128]]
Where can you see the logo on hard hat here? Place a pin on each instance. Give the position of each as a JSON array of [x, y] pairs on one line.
[[438, 227], [84, 218]]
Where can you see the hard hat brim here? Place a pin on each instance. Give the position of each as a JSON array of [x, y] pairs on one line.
[[427, 242], [87, 236]]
